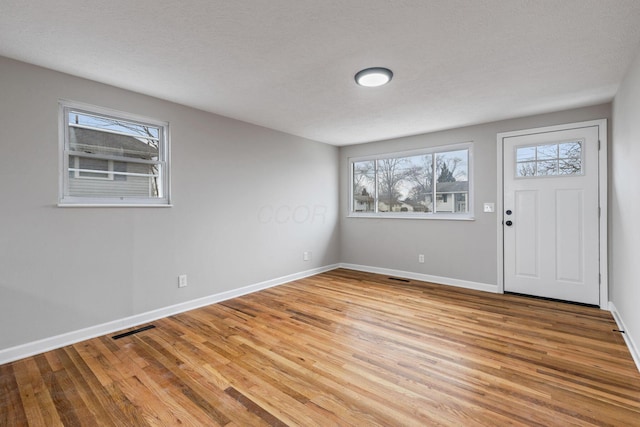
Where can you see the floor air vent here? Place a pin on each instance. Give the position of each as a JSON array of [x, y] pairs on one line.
[[397, 279], [135, 331]]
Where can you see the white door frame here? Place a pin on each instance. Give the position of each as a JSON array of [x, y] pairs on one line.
[[602, 198]]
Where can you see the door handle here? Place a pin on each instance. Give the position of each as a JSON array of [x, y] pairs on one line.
[[509, 223]]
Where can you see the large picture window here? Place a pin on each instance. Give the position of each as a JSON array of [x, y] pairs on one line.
[[112, 158], [429, 183]]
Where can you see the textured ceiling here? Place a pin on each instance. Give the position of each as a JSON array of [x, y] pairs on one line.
[[289, 64]]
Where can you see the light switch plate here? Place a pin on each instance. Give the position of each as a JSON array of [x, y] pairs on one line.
[[489, 207]]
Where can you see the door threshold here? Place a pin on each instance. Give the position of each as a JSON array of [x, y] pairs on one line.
[[582, 304]]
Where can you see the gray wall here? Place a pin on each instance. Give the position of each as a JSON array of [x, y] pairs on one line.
[[624, 210], [459, 250], [247, 202]]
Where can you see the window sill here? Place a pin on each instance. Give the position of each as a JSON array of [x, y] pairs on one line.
[[446, 217], [113, 205]]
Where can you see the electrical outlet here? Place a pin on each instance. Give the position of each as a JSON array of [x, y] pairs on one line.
[[182, 280], [421, 258], [306, 256]]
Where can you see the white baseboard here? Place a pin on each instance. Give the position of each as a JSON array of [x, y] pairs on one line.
[[633, 348], [52, 343], [423, 277]]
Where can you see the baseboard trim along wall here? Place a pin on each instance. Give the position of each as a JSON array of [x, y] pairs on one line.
[[36, 347], [52, 343], [423, 277], [633, 348]]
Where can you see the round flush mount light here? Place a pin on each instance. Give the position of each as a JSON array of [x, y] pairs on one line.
[[373, 77]]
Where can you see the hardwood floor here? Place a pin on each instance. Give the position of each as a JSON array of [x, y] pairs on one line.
[[341, 348]]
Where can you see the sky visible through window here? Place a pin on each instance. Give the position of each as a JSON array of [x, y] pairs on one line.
[[143, 132]]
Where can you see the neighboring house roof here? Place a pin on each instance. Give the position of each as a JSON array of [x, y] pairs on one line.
[[92, 141], [442, 188], [452, 187]]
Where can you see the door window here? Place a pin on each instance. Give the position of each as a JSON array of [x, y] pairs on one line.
[[559, 159]]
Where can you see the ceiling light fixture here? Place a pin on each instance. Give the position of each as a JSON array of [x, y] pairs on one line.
[[373, 77]]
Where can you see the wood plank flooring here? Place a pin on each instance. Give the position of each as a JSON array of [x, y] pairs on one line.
[[341, 348]]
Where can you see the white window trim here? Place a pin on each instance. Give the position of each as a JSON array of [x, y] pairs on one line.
[[466, 216], [66, 200]]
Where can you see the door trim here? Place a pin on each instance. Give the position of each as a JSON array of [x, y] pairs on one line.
[[602, 198]]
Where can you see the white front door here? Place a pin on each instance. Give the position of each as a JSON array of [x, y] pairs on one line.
[[551, 214]]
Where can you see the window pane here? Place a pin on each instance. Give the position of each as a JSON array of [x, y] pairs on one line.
[[545, 152], [391, 176], [525, 154], [570, 166], [86, 164], [84, 119], [417, 186], [364, 186], [132, 140], [571, 150], [452, 183], [139, 183], [549, 167], [526, 169], [570, 162]]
